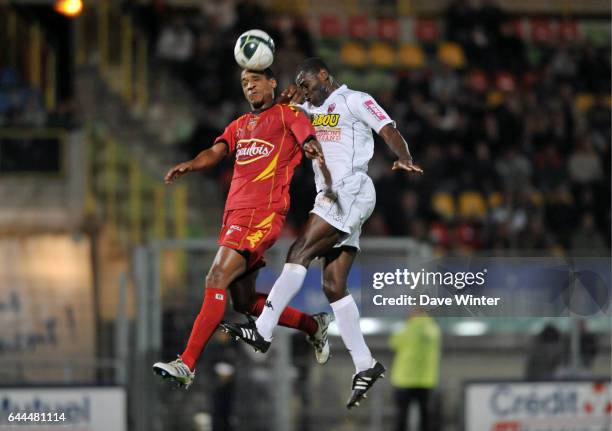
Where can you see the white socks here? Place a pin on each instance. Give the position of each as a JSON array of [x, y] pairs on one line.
[[347, 319], [286, 286]]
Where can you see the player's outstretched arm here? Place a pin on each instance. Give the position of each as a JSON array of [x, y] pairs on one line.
[[291, 94], [205, 160], [394, 140]]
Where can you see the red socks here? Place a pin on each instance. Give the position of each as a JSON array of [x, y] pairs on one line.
[[291, 317], [212, 312], [208, 319]]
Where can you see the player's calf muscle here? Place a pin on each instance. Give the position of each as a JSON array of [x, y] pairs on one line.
[[334, 291], [217, 279]]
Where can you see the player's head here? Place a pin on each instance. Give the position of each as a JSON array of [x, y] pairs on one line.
[[258, 87], [314, 80]]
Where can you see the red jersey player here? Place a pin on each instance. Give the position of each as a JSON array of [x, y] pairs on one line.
[[267, 144]]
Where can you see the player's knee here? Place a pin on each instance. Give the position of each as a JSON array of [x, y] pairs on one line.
[[299, 254], [216, 278], [334, 290]]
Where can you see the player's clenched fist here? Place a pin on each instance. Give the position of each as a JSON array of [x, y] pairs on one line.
[[178, 171], [313, 151], [291, 94], [408, 166]]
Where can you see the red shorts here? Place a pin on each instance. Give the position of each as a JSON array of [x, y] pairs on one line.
[[251, 232]]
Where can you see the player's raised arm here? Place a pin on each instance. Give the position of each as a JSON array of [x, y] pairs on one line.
[[291, 94], [205, 160], [394, 140]]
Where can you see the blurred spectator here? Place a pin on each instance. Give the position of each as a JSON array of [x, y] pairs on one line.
[[561, 212], [223, 356], [584, 164], [460, 21], [594, 71], [535, 237], [588, 345], [545, 355], [514, 169], [247, 13], [586, 240], [176, 44], [415, 369]]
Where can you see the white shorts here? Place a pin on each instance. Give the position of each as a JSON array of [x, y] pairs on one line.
[[356, 198]]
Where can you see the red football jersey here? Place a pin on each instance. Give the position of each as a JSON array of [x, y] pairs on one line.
[[267, 148]]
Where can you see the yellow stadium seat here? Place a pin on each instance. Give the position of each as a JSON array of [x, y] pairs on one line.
[[536, 198], [451, 54], [584, 102], [443, 204], [382, 55], [353, 54], [472, 205], [495, 200], [494, 98], [411, 56]]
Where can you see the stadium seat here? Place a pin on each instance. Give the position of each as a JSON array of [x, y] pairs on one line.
[[472, 206], [353, 54], [438, 234], [427, 30], [568, 31], [478, 80], [443, 204], [494, 98], [376, 81], [519, 28], [349, 77], [505, 81], [495, 199], [329, 53], [451, 54], [584, 102], [359, 27], [330, 27], [388, 29], [411, 56], [596, 33], [541, 31], [536, 198], [382, 55]]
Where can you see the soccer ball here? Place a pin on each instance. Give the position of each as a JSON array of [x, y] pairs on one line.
[[254, 50]]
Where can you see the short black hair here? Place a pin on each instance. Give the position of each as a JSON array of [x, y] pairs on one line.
[[312, 65], [267, 72]]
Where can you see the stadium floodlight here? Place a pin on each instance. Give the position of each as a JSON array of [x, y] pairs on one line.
[[69, 8]]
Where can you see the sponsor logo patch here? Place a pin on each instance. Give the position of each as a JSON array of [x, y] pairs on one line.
[[329, 135], [373, 108], [250, 150], [219, 296], [255, 237], [330, 120]]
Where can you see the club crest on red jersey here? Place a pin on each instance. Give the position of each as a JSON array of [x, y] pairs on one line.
[[250, 150], [252, 124]]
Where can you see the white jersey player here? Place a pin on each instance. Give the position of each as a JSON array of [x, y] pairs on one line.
[[344, 120], [344, 123]]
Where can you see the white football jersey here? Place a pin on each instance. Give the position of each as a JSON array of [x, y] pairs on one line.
[[344, 124]]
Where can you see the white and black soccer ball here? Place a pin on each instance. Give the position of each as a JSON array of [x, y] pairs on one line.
[[254, 50]]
